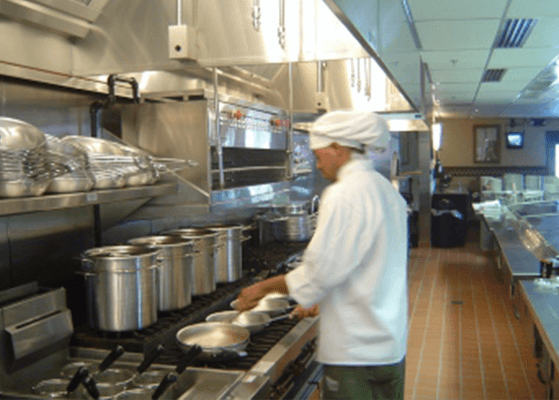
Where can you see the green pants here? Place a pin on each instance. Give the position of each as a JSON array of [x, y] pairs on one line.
[[363, 382]]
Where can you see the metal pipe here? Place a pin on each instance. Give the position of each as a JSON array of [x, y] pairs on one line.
[[290, 131], [256, 14], [319, 76], [218, 146], [179, 12], [281, 27]]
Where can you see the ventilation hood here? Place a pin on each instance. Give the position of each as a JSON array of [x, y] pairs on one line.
[[67, 17]]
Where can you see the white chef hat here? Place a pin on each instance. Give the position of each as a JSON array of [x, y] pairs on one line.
[[357, 129]]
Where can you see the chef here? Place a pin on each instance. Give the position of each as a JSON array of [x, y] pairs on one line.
[[354, 268]]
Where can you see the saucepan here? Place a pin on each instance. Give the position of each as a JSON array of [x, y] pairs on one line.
[[63, 388], [254, 321], [217, 340], [270, 306], [112, 381], [160, 392]]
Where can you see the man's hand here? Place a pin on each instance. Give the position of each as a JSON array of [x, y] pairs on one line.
[[301, 312], [249, 297]]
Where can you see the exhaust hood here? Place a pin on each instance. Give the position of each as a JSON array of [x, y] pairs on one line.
[[67, 17]]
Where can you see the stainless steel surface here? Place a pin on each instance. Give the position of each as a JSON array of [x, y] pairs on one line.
[[40, 334], [175, 270], [203, 260], [296, 227], [286, 350], [542, 305], [16, 135], [60, 201], [121, 287], [66, 18], [228, 257], [34, 307], [218, 142]]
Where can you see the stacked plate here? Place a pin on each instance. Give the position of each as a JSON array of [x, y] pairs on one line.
[[24, 167], [114, 165]]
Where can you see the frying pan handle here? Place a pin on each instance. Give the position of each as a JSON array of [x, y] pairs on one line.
[[111, 358], [194, 352], [81, 373], [169, 379], [150, 358]]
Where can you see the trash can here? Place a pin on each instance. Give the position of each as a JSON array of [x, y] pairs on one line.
[[448, 223]]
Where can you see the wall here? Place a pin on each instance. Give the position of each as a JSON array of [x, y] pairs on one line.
[[457, 153]]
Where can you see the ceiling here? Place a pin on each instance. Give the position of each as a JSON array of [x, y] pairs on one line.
[[459, 43]]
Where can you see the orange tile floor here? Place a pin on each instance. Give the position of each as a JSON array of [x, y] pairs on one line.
[[464, 340]]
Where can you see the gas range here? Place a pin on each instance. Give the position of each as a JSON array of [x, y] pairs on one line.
[[278, 358]]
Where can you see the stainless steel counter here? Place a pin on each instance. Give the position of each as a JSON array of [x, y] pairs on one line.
[[543, 305]]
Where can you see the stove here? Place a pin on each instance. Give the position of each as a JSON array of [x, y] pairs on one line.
[[278, 360]]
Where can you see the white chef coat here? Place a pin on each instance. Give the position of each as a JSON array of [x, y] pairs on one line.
[[355, 268]]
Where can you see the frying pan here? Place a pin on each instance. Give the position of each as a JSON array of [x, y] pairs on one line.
[[254, 321], [217, 340], [270, 306]]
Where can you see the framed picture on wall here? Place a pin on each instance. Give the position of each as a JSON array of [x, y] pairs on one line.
[[486, 144]]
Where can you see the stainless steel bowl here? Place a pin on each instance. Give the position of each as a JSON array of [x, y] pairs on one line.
[[18, 135]]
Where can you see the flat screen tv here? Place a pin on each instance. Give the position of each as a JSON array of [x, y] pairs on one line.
[[515, 140]]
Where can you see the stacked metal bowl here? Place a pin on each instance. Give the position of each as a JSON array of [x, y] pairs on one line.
[[114, 165], [68, 166], [24, 167]]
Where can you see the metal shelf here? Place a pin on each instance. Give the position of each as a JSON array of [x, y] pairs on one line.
[[48, 202]]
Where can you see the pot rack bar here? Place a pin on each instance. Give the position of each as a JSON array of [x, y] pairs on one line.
[[20, 205]]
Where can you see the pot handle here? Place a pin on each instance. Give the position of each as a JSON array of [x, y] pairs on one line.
[[245, 238]]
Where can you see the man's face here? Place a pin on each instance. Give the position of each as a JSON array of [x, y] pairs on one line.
[[328, 162]]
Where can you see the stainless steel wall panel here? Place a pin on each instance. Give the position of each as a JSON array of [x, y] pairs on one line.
[[122, 232], [45, 246], [5, 275]]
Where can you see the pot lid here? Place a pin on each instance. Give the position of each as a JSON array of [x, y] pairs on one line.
[[119, 252], [160, 241]]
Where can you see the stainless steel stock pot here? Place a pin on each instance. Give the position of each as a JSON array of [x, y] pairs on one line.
[[205, 248], [175, 270], [121, 287]]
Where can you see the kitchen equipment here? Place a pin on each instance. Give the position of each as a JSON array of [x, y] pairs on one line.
[[71, 370], [151, 379], [121, 287], [254, 321], [205, 248], [175, 271], [228, 258], [113, 164], [68, 167], [24, 169], [63, 388], [159, 392], [284, 227], [269, 306], [215, 338], [112, 381]]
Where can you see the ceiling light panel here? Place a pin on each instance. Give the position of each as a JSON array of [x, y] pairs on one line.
[[466, 59], [452, 35], [508, 58], [450, 9]]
